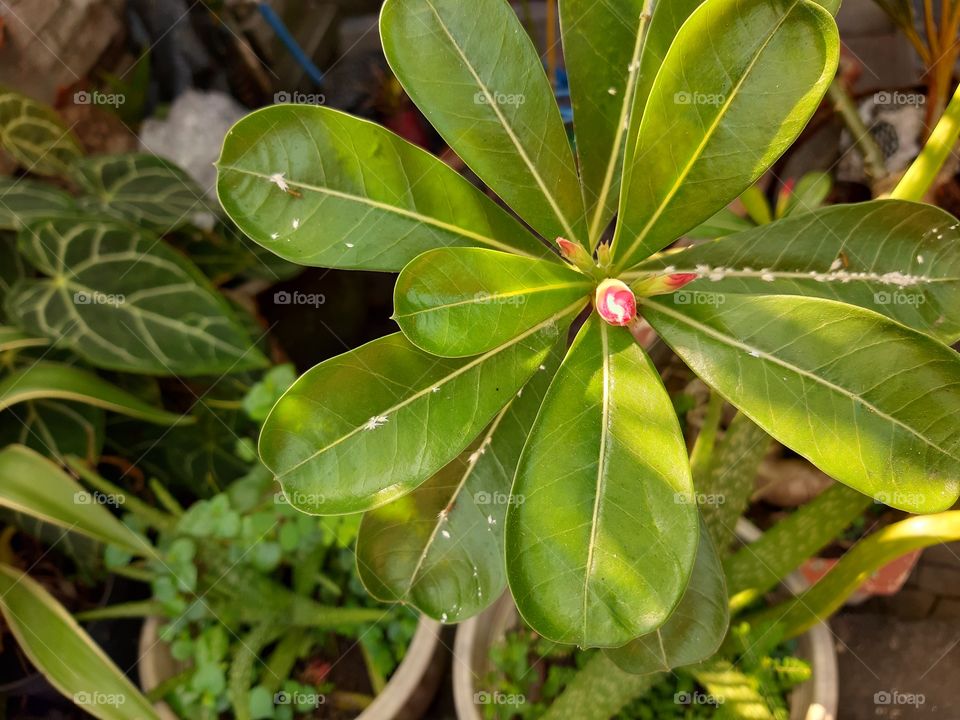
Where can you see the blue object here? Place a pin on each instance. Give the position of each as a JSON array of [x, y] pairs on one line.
[[277, 25]]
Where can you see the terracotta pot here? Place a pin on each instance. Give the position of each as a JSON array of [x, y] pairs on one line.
[[406, 696], [814, 700]]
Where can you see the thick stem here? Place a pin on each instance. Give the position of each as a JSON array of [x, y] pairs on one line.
[[921, 175], [873, 160], [599, 691]]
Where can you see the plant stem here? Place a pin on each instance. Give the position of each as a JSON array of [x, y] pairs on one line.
[[702, 452], [873, 160], [922, 173], [135, 573], [136, 609], [131, 503], [599, 691]]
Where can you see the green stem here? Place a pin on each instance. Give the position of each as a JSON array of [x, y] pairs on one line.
[[138, 609], [131, 503], [165, 498], [135, 573], [873, 159], [702, 452], [599, 691], [920, 176]]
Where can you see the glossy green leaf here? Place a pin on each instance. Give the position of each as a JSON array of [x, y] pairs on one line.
[[23, 201], [37, 487], [123, 300], [143, 189], [898, 258], [43, 380], [809, 194], [696, 628], [35, 136], [473, 71], [601, 547], [13, 339], [724, 223], [399, 417], [319, 187], [440, 548], [602, 42], [55, 428], [721, 110], [60, 649], [870, 402], [464, 301]]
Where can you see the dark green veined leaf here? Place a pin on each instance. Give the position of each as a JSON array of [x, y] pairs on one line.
[[898, 258], [37, 487], [43, 380], [11, 265], [398, 417], [35, 136], [55, 428], [319, 187], [695, 630], [473, 71], [22, 201], [720, 112], [65, 654], [868, 401], [440, 548], [601, 547], [13, 339], [143, 189], [464, 301], [602, 77], [123, 300]]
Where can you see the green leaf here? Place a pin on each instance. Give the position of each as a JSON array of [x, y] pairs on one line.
[[736, 693], [440, 548], [357, 196], [402, 415], [55, 429], [720, 112], [464, 301], [59, 648], [22, 201], [37, 487], [898, 258], [868, 401], [603, 78], [145, 190], [45, 380], [797, 615], [123, 300], [809, 194], [476, 75], [13, 339], [35, 136], [601, 546], [696, 628]]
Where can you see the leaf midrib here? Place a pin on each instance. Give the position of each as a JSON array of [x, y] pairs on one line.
[[764, 355], [493, 297], [430, 387], [707, 138]]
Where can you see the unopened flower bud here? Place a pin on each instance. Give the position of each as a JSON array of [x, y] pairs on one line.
[[576, 255], [616, 303], [663, 284]]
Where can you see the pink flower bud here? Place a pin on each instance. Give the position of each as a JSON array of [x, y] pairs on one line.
[[616, 303], [576, 255], [568, 249], [663, 284]]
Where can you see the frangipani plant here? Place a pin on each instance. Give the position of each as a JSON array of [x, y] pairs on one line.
[[482, 449]]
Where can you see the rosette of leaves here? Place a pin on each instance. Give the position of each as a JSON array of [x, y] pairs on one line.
[[482, 449]]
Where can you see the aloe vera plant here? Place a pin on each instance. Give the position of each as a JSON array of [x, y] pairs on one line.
[[484, 450]]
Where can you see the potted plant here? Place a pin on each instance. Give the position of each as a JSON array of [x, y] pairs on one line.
[[482, 449]]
